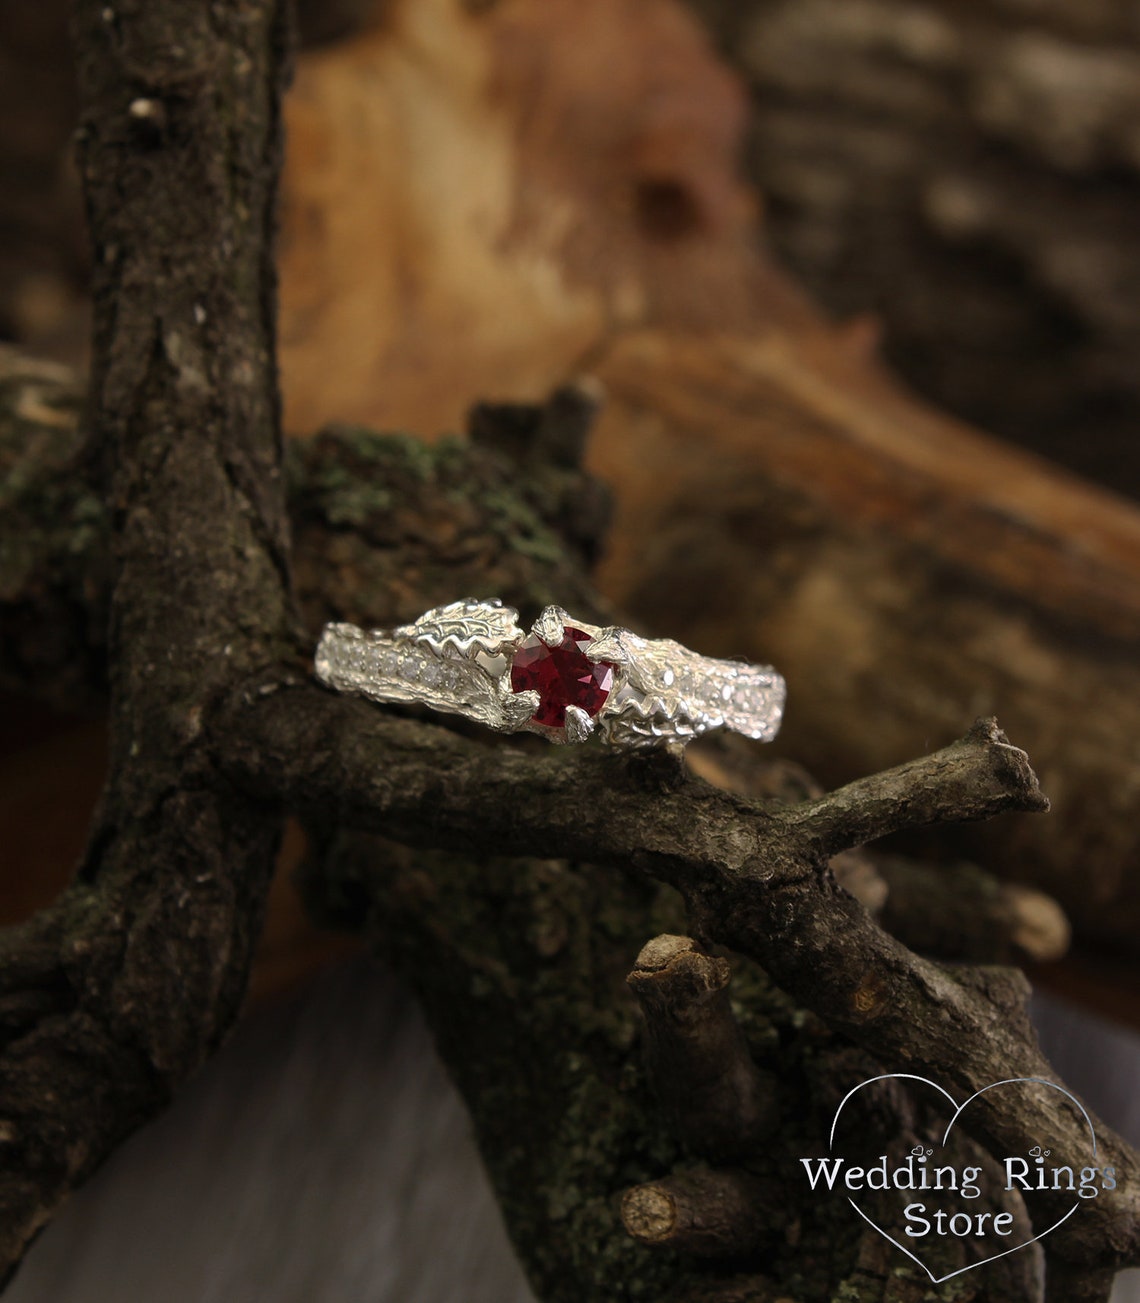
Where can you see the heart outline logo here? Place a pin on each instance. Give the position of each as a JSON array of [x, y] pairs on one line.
[[958, 1110]]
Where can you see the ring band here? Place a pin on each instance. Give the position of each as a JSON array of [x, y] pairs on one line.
[[566, 680]]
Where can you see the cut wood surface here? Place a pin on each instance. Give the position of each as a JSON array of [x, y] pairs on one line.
[[965, 173]]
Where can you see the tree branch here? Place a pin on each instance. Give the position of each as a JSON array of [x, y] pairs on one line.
[[973, 778], [146, 958], [111, 997], [753, 876], [960, 912], [410, 767]]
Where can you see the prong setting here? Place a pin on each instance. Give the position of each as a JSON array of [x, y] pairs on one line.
[[579, 725], [550, 626], [608, 646], [518, 707]]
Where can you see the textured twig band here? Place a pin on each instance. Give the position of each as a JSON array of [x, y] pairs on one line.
[[565, 680]]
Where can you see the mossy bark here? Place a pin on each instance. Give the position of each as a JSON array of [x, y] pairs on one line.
[[521, 962]]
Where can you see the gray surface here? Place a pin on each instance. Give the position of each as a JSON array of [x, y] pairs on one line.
[[325, 1158], [1101, 1063]]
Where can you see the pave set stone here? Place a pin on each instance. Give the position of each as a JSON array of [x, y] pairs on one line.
[[562, 676], [407, 664]]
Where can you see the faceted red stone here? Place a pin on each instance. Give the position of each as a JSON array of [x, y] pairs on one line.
[[562, 676]]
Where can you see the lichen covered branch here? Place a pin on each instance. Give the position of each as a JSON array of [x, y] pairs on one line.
[[150, 557]]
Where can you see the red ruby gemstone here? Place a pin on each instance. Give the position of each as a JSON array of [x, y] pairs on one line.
[[562, 676]]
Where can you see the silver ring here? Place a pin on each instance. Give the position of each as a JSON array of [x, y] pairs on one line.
[[566, 680]]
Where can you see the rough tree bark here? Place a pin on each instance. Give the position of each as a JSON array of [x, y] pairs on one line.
[[114, 994], [352, 516], [511, 969], [521, 989], [376, 523]]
